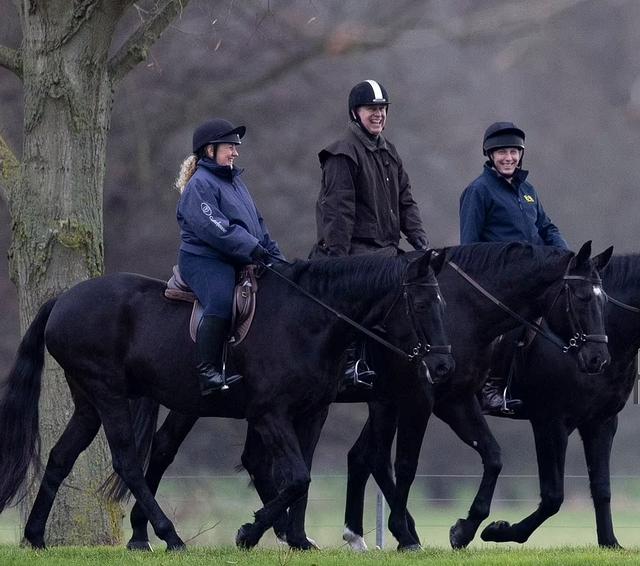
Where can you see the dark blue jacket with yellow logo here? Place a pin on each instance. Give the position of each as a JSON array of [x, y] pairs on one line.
[[494, 210]]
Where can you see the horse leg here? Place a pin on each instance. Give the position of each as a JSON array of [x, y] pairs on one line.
[[551, 446], [371, 453], [259, 467], [282, 447], [412, 424], [308, 437], [77, 436], [116, 420], [467, 421], [166, 442], [597, 438]]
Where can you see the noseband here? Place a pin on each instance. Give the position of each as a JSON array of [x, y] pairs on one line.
[[578, 339]]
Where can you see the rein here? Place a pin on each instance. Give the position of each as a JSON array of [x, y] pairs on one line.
[[622, 305], [576, 341], [417, 352]]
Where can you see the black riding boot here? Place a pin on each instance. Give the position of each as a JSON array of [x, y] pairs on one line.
[[356, 371], [210, 338], [493, 399]]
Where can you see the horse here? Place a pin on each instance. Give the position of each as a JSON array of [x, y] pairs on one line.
[[117, 338], [529, 280], [559, 398], [574, 303]]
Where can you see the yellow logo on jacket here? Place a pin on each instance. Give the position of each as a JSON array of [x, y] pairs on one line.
[[529, 199]]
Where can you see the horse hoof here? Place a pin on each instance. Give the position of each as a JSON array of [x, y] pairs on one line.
[[498, 531], [413, 547], [304, 544], [36, 544], [143, 545], [245, 537], [176, 547], [459, 535], [355, 541]]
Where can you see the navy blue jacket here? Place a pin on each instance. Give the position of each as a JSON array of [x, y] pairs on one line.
[[218, 217], [494, 210]]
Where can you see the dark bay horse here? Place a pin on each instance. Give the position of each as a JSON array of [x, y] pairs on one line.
[[118, 338], [560, 399], [563, 282], [530, 280]]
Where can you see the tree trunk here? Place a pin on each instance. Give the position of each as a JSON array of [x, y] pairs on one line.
[[57, 220]]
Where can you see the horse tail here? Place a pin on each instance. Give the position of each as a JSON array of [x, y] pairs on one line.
[[19, 416], [144, 416]]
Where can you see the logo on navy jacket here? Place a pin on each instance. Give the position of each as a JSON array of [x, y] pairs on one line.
[[207, 211], [529, 199]]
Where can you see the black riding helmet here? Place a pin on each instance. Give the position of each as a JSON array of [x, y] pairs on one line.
[[502, 134], [215, 131], [366, 93]]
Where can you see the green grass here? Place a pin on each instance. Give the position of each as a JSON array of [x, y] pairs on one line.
[[75, 556], [208, 511]]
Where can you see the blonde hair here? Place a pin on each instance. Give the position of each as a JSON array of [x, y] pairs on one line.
[[187, 169]]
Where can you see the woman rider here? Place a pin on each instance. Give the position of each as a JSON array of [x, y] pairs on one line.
[[220, 230]]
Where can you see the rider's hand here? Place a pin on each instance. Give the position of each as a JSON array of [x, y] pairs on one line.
[[260, 255]]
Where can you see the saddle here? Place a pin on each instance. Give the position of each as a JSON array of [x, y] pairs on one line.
[[244, 302]]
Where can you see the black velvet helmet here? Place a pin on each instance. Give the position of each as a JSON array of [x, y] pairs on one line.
[[366, 93], [502, 134], [217, 130]]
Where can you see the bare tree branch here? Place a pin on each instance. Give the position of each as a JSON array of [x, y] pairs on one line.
[[11, 59], [136, 48], [9, 171], [512, 18]]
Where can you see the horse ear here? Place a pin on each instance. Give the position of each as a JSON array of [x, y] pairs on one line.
[[602, 259], [419, 267], [583, 255], [437, 260]]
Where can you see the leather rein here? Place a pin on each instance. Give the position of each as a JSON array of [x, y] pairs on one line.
[[622, 305], [578, 339], [414, 355]]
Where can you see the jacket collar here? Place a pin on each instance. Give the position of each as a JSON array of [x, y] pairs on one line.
[[222, 171], [369, 142]]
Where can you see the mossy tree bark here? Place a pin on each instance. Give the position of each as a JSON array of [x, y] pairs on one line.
[[55, 200]]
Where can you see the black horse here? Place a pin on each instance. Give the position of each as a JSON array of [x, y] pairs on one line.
[[118, 338], [573, 304], [560, 399], [529, 280]]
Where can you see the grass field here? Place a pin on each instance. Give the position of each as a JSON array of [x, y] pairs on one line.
[[74, 556], [208, 511]]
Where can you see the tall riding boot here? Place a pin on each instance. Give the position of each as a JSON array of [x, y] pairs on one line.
[[210, 338], [356, 371], [493, 400]]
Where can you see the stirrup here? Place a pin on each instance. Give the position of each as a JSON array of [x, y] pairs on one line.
[[363, 377], [505, 410], [232, 378]]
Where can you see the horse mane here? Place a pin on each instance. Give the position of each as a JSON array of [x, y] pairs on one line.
[[501, 255], [621, 270], [347, 277]]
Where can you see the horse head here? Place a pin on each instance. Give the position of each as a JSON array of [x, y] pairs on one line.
[[424, 306], [581, 314]]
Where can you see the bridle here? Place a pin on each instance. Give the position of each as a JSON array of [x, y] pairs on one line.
[[415, 354], [578, 338], [423, 347]]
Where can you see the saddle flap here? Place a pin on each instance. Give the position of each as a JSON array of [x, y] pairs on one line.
[[244, 302]]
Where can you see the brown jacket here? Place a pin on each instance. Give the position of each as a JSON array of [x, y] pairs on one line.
[[365, 199]]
